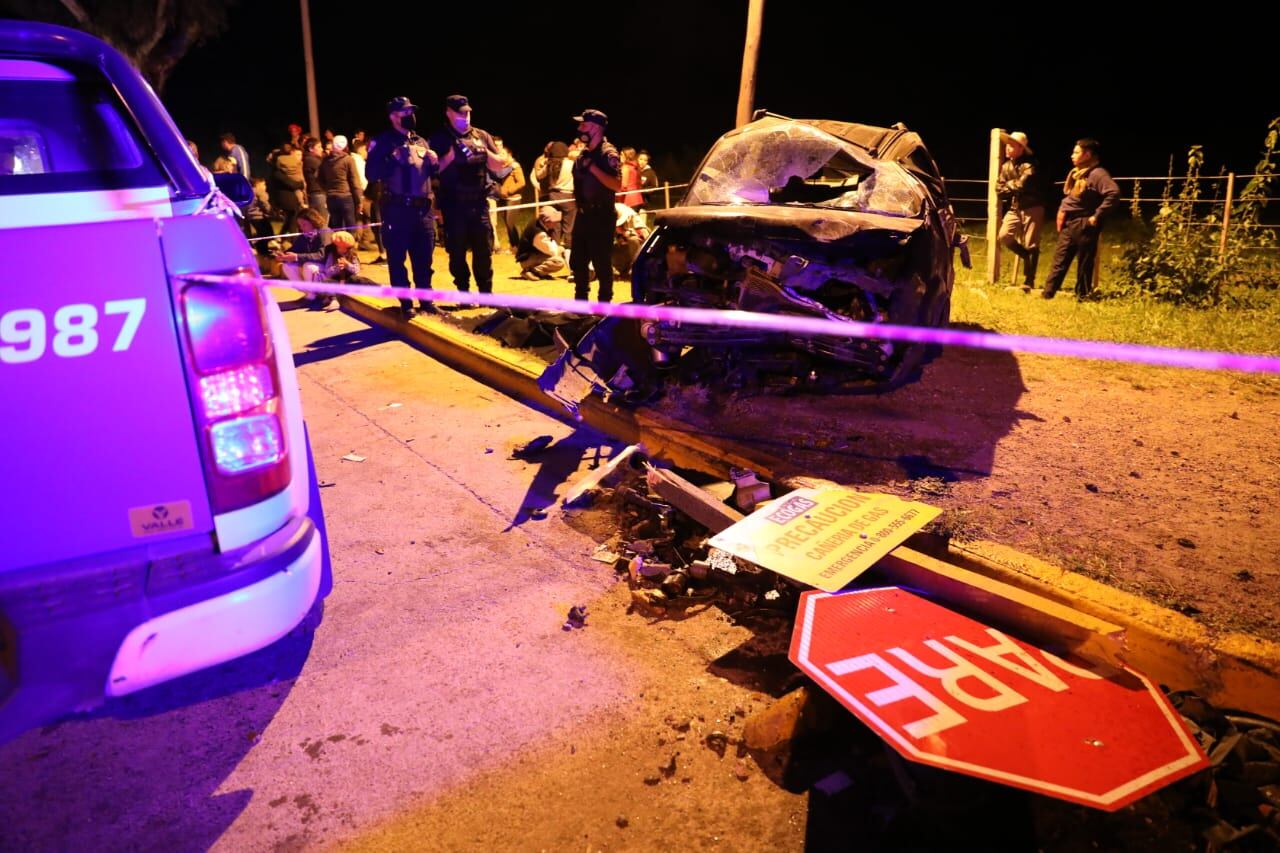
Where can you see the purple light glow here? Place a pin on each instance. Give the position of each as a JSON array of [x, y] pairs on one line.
[[234, 391], [246, 443], [1139, 353], [224, 327]]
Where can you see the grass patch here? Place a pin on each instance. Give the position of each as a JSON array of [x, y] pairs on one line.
[[1128, 319]]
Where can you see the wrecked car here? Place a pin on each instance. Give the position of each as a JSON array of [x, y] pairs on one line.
[[809, 217]]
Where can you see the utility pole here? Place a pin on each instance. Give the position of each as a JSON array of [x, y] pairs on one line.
[[313, 109], [747, 87]]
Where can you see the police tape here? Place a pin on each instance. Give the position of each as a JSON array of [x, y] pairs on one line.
[[546, 202], [791, 324], [335, 230]]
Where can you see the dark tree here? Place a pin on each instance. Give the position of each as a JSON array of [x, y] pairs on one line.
[[153, 34]]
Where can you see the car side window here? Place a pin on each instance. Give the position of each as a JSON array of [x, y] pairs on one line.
[[64, 129]]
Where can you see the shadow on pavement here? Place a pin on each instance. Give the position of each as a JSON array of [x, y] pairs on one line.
[[339, 345], [557, 463], [172, 748]]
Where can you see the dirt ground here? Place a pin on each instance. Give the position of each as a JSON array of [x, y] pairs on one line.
[[1156, 481]]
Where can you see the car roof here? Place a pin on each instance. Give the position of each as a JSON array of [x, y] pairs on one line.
[[34, 40], [896, 143]]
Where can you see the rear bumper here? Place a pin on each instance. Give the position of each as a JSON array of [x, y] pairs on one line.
[[147, 621], [217, 629]]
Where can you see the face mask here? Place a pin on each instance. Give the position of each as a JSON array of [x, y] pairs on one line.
[[409, 122], [462, 123]]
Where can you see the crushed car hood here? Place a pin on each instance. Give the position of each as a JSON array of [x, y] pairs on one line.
[[825, 180], [822, 224]]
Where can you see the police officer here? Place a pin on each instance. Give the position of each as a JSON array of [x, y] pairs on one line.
[[468, 156], [402, 164], [596, 177]]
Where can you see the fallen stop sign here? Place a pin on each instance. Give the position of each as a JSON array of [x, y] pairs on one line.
[[953, 693]]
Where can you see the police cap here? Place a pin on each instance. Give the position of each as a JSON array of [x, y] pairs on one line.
[[458, 103], [593, 116], [395, 105]]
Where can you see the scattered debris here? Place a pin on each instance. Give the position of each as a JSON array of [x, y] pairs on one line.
[[532, 449], [390, 406], [1091, 487], [577, 617], [592, 482], [604, 554], [834, 783], [781, 722], [622, 821], [1185, 542], [354, 457], [691, 500], [536, 513], [748, 491]]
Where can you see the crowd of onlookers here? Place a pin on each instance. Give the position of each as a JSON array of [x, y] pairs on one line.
[[315, 187]]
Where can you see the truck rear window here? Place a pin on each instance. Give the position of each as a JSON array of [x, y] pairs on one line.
[[63, 129]]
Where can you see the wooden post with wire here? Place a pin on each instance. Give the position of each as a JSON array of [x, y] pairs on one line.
[[1226, 214], [993, 208]]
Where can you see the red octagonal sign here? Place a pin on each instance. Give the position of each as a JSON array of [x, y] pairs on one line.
[[948, 691]]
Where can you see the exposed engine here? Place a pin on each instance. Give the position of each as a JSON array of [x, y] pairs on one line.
[[707, 271]]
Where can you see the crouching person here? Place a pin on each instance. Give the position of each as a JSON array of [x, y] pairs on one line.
[[539, 251], [304, 260], [341, 265], [629, 234]]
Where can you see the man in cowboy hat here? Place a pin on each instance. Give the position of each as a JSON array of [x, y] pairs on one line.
[[1020, 192]]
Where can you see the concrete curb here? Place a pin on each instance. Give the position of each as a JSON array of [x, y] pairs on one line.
[[1234, 671]]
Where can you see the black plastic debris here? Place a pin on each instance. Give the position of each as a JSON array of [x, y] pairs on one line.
[[577, 617], [533, 448]]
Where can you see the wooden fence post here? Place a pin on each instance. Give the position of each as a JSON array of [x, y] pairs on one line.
[[993, 208], [1226, 214]]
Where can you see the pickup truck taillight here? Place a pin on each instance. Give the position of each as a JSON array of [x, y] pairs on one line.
[[237, 394]]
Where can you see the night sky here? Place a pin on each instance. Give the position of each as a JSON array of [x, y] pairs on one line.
[[667, 75]]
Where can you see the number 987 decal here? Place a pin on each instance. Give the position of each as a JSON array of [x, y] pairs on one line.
[[25, 332]]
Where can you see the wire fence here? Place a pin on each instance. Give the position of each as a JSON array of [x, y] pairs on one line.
[[1217, 200]]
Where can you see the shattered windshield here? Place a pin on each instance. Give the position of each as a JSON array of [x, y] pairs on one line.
[[795, 164]]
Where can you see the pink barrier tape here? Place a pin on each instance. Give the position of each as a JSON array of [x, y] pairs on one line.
[[794, 325], [546, 202], [356, 227]]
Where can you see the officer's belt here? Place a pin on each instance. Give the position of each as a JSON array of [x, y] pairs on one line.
[[405, 200]]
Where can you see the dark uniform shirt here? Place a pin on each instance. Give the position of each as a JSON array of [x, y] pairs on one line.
[[588, 192], [466, 181], [1092, 193], [406, 176]]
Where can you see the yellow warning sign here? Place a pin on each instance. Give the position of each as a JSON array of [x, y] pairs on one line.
[[824, 537]]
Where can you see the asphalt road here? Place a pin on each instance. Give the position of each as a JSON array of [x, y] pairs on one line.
[[439, 703]]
